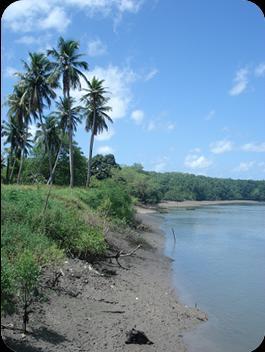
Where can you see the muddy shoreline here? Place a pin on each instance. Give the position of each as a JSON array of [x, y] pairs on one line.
[[92, 312], [166, 205]]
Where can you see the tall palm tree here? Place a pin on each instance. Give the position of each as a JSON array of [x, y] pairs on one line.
[[18, 120], [67, 66], [38, 89], [66, 114], [95, 112]]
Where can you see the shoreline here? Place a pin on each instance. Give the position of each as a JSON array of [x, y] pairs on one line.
[[165, 205], [92, 312]]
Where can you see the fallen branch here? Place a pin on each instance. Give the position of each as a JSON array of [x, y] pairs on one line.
[[120, 254]]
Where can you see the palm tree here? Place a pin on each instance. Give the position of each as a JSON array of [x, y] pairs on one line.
[[38, 89], [67, 66], [96, 115], [65, 115], [18, 120], [10, 132], [24, 146], [52, 134]]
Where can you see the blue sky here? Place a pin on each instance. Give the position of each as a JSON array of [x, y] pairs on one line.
[[187, 77]]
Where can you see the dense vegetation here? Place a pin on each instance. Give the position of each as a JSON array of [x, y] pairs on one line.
[[152, 187], [72, 225]]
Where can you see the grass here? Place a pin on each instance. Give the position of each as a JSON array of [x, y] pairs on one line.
[[72, 224]]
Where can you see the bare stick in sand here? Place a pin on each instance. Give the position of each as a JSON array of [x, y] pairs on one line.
[[174, 235], [121, 254]]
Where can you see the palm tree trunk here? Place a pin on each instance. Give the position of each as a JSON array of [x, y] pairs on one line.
[[50, 180], [91, 149], [9, 161], [20, 166], [70, 135], [12, 170], [46, 142]]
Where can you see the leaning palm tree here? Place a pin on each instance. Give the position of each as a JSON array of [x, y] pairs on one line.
[[38, 87], [66, 114], [95, 112], [67, 66]]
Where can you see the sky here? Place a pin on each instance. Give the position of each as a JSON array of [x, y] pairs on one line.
[[186, 78]]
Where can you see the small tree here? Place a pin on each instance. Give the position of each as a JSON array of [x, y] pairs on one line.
[[27, 277]]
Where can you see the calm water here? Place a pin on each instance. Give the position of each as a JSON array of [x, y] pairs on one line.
[[220, 265]]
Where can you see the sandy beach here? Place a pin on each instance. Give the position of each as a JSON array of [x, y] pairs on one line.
[[90, 312]]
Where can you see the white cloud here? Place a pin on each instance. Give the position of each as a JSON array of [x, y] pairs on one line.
[[195, 161], [105, 135], [260, 70], [151, 126], [210, 115], [160, 164], [240, 82], [195, 150], [96, 48], [57, 19], [245, 166], [10, 72], [32, 15], [106, 6], [159, 167], [220, 147], [254, 147], [105, 150], [137, 116], [151, 74], [118, 83], [171, 126], [28, 40]]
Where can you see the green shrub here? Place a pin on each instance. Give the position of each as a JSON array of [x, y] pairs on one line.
[[7, 285], [111, 199]]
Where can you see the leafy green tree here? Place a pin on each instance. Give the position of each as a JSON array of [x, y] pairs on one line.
[[95, 112], [102, 165], [67, 66]]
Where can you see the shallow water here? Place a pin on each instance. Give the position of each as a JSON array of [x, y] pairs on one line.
[[219, 264]]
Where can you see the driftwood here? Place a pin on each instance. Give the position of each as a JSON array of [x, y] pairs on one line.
[[121, 253], [137, 337]]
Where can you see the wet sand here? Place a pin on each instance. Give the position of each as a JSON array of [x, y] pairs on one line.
[[189, 204], [90, 312]]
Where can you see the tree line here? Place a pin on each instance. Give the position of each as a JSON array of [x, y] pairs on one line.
[[60, 69]]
